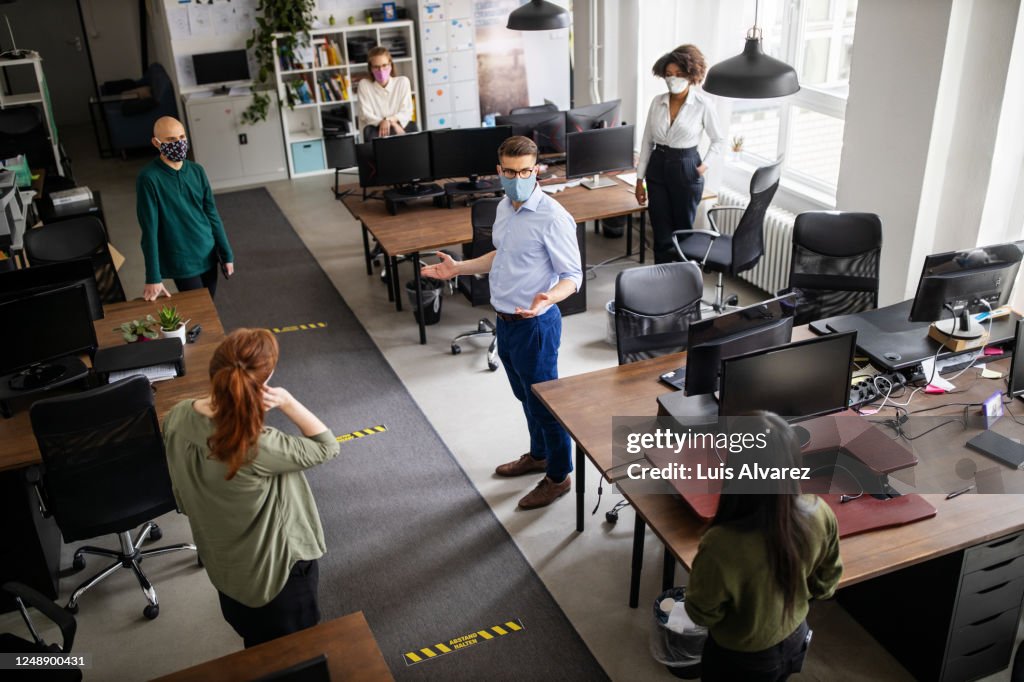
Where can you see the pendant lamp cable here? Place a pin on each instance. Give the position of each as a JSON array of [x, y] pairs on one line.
[[755, 31]]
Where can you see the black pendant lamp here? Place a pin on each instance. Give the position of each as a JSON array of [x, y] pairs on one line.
[[751, 74], [538, 15]]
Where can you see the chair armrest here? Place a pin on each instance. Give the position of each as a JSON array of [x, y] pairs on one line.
[[713, 209], [115, 98], [710, 234], [64, 620]]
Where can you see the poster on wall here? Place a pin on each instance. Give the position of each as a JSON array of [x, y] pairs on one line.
[[515, 69]]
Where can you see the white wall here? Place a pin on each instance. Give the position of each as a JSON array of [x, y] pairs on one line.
[[894, 83]]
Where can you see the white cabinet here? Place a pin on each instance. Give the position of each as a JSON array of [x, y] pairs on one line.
[[235, 153]]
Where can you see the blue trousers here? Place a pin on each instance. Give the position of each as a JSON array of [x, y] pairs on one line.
[[529, 352]]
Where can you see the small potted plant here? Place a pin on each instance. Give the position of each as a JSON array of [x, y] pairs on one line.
[[139, 330], [737, 146], [171, 324]]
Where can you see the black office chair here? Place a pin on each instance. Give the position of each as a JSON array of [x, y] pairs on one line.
[[10, 643], [104, 471], [834, 264], [82, 237], [370, 131], [476, 287], [654, 305], [740, 251], [547, 106]]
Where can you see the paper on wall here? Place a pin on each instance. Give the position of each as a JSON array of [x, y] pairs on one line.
[[199, 20], [177, 20], [186, 71], [224, 20]]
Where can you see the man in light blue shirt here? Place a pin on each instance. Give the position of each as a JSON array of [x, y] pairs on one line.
[[535, 264]]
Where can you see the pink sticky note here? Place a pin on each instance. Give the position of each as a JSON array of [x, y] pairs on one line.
[[989, 350], [933, 389]]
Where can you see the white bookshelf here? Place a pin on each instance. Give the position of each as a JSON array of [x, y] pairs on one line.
[[302, 123], [40, 96]]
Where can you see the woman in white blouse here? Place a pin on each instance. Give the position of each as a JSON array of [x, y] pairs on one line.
[[669, 160], [385, 101]]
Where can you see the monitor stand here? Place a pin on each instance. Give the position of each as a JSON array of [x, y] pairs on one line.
[[961, 326], [802, 435], [42, 377], [597, 181], [471, 188], [404, 193]]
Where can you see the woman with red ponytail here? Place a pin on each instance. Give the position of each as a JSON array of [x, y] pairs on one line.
[[252, 514]]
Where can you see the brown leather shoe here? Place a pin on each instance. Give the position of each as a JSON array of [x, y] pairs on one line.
[[546, 492], [524, 465]]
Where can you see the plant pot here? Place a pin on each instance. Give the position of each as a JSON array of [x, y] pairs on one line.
[[178, 333]]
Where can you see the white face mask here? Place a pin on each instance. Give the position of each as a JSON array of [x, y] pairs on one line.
[[676, 84]]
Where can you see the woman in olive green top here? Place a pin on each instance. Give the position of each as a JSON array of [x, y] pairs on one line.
[[241, 484], [765, 556]]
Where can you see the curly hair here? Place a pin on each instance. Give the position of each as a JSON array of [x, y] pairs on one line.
[[688, 58]]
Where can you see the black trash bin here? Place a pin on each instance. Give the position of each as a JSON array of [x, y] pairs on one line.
[[431, 299], [679, 652]]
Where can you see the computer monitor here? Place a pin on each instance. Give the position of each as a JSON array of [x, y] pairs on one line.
[[762, 325], [221, 67], [41, 328], [799, 380], [599, 115], [957, 282], [469, 153], [593, 152], [39, 278], [1015, 385], [403, 161], [546, 128]]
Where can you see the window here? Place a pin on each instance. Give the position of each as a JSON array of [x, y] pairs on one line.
[[816, 37]]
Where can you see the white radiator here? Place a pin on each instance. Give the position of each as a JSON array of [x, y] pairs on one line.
[[772, 272]]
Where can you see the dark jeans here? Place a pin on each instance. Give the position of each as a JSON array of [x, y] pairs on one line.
[[207, 280], [529, 352], [771, 665], [674, 188], [294, 608]]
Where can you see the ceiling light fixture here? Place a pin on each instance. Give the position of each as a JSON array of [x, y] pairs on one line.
[[538, 15]]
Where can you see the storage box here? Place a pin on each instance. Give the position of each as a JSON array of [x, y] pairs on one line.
[[308, 156]]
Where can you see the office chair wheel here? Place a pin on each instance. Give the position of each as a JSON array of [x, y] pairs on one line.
[[456, 349], [78, 563], [199, 560], [155, 534], [732, 300], [72, 609], [493, 366], [151, 611]]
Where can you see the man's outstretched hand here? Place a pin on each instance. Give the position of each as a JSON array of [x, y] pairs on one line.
[[446, 269]]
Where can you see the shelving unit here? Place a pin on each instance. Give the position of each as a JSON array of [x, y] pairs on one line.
[[41, 97], [302, 123]]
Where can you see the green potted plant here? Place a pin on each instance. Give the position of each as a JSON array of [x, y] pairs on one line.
[[139, 330], [736, 147], [293, 19], [171, 324]]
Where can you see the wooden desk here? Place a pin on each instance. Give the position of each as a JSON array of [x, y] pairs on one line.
[[30, 551], [351, 650], [585, 405], [422, 227]]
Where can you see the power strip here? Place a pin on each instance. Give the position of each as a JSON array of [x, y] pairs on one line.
[[869, 389]]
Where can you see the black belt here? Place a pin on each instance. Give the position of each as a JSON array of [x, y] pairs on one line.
[[674, 150], [510, 317]]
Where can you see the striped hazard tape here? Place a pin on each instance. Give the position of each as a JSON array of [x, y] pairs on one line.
[[453, 645], [363, 433], [299, 327]]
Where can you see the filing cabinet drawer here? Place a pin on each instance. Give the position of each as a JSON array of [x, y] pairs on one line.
[[993, 552], [995, 574], [977, 606], [981, 662], [975, 636]]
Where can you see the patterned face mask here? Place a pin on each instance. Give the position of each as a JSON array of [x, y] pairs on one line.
[[175, 151]]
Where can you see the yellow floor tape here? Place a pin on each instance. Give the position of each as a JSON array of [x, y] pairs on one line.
[[362, 433], [299, 327], [457, 643]]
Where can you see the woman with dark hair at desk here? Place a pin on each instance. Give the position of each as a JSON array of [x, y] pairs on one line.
[[252, 514], [768, 552], [669, 159]]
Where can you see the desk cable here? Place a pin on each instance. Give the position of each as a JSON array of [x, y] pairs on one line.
[[843, 499], [614, 512]]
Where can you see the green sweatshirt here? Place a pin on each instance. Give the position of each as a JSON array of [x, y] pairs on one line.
[[734, 594], [252, 529], [179, 221]]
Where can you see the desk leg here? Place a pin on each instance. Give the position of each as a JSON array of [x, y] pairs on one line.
[[366, 250], [419, 296], [395, 288], [643, 235], [629, 235], [581, 485], [639, 528], [668, 570]]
